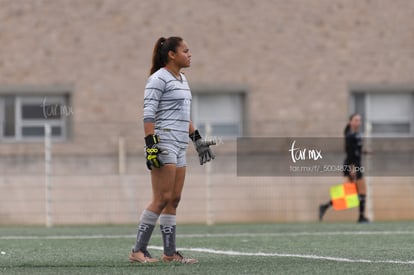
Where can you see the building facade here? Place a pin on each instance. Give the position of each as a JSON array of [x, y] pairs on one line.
[[269, 68]]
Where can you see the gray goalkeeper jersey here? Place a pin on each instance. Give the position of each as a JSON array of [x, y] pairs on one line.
[[167, 102]]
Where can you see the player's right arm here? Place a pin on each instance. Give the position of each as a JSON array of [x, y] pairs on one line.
[[149, 128], [153, 92], [152, 96]]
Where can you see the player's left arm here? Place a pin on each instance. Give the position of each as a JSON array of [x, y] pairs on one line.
[[191, 128]]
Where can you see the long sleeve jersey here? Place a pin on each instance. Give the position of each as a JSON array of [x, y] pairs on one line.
[[167, 103]]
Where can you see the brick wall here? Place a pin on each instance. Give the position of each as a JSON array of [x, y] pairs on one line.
[[297, 58]]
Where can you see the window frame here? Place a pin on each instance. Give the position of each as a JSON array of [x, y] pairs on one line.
[[218, 90], [36, 95], [20, 101], [368, 91], [2, 118]]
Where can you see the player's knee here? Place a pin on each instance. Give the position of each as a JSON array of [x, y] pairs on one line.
[[159, 205], [163, 201], [175, 201]]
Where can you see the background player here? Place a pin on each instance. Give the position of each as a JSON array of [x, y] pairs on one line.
[[352, 165]]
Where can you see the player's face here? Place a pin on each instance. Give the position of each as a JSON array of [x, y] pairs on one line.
[[355, 122], [182, 56]]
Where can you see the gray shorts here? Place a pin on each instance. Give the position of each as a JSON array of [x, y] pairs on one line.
[[176, 155]]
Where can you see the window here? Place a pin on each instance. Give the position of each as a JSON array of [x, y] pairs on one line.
[[222, 111], [389, 113], [24, 117]]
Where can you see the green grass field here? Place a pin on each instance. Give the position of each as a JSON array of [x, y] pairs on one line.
[[327, 248]]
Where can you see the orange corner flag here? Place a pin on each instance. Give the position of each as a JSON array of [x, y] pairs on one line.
[[344, 196]]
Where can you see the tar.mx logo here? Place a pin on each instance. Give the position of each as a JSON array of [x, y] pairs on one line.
[[304, 153], [56, 110], [215, 140]]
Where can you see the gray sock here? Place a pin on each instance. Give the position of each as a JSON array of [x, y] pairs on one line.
[[167, 225], [145, 228]]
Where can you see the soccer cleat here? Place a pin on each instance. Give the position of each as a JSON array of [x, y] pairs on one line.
[[322, 211], [363, 219], [178, 258], [141, 257]]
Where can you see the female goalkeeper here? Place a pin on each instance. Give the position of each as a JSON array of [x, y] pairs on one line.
[[167, 128]]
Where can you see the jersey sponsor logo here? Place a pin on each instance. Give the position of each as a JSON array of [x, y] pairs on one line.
[[187, 101]]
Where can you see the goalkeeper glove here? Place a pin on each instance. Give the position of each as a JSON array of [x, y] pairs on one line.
[[152, 151], [203, 147]]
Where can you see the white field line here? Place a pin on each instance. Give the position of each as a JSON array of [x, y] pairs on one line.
[[238, 253], [213, 235], [302, 256]]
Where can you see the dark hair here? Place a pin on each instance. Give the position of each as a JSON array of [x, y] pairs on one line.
[[348, 127], [161, 49]]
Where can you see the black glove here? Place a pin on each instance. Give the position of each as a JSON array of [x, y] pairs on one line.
[[203, 147], [152, 151]]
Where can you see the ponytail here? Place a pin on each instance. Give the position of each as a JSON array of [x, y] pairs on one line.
[[161, 49], [347, 129]]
